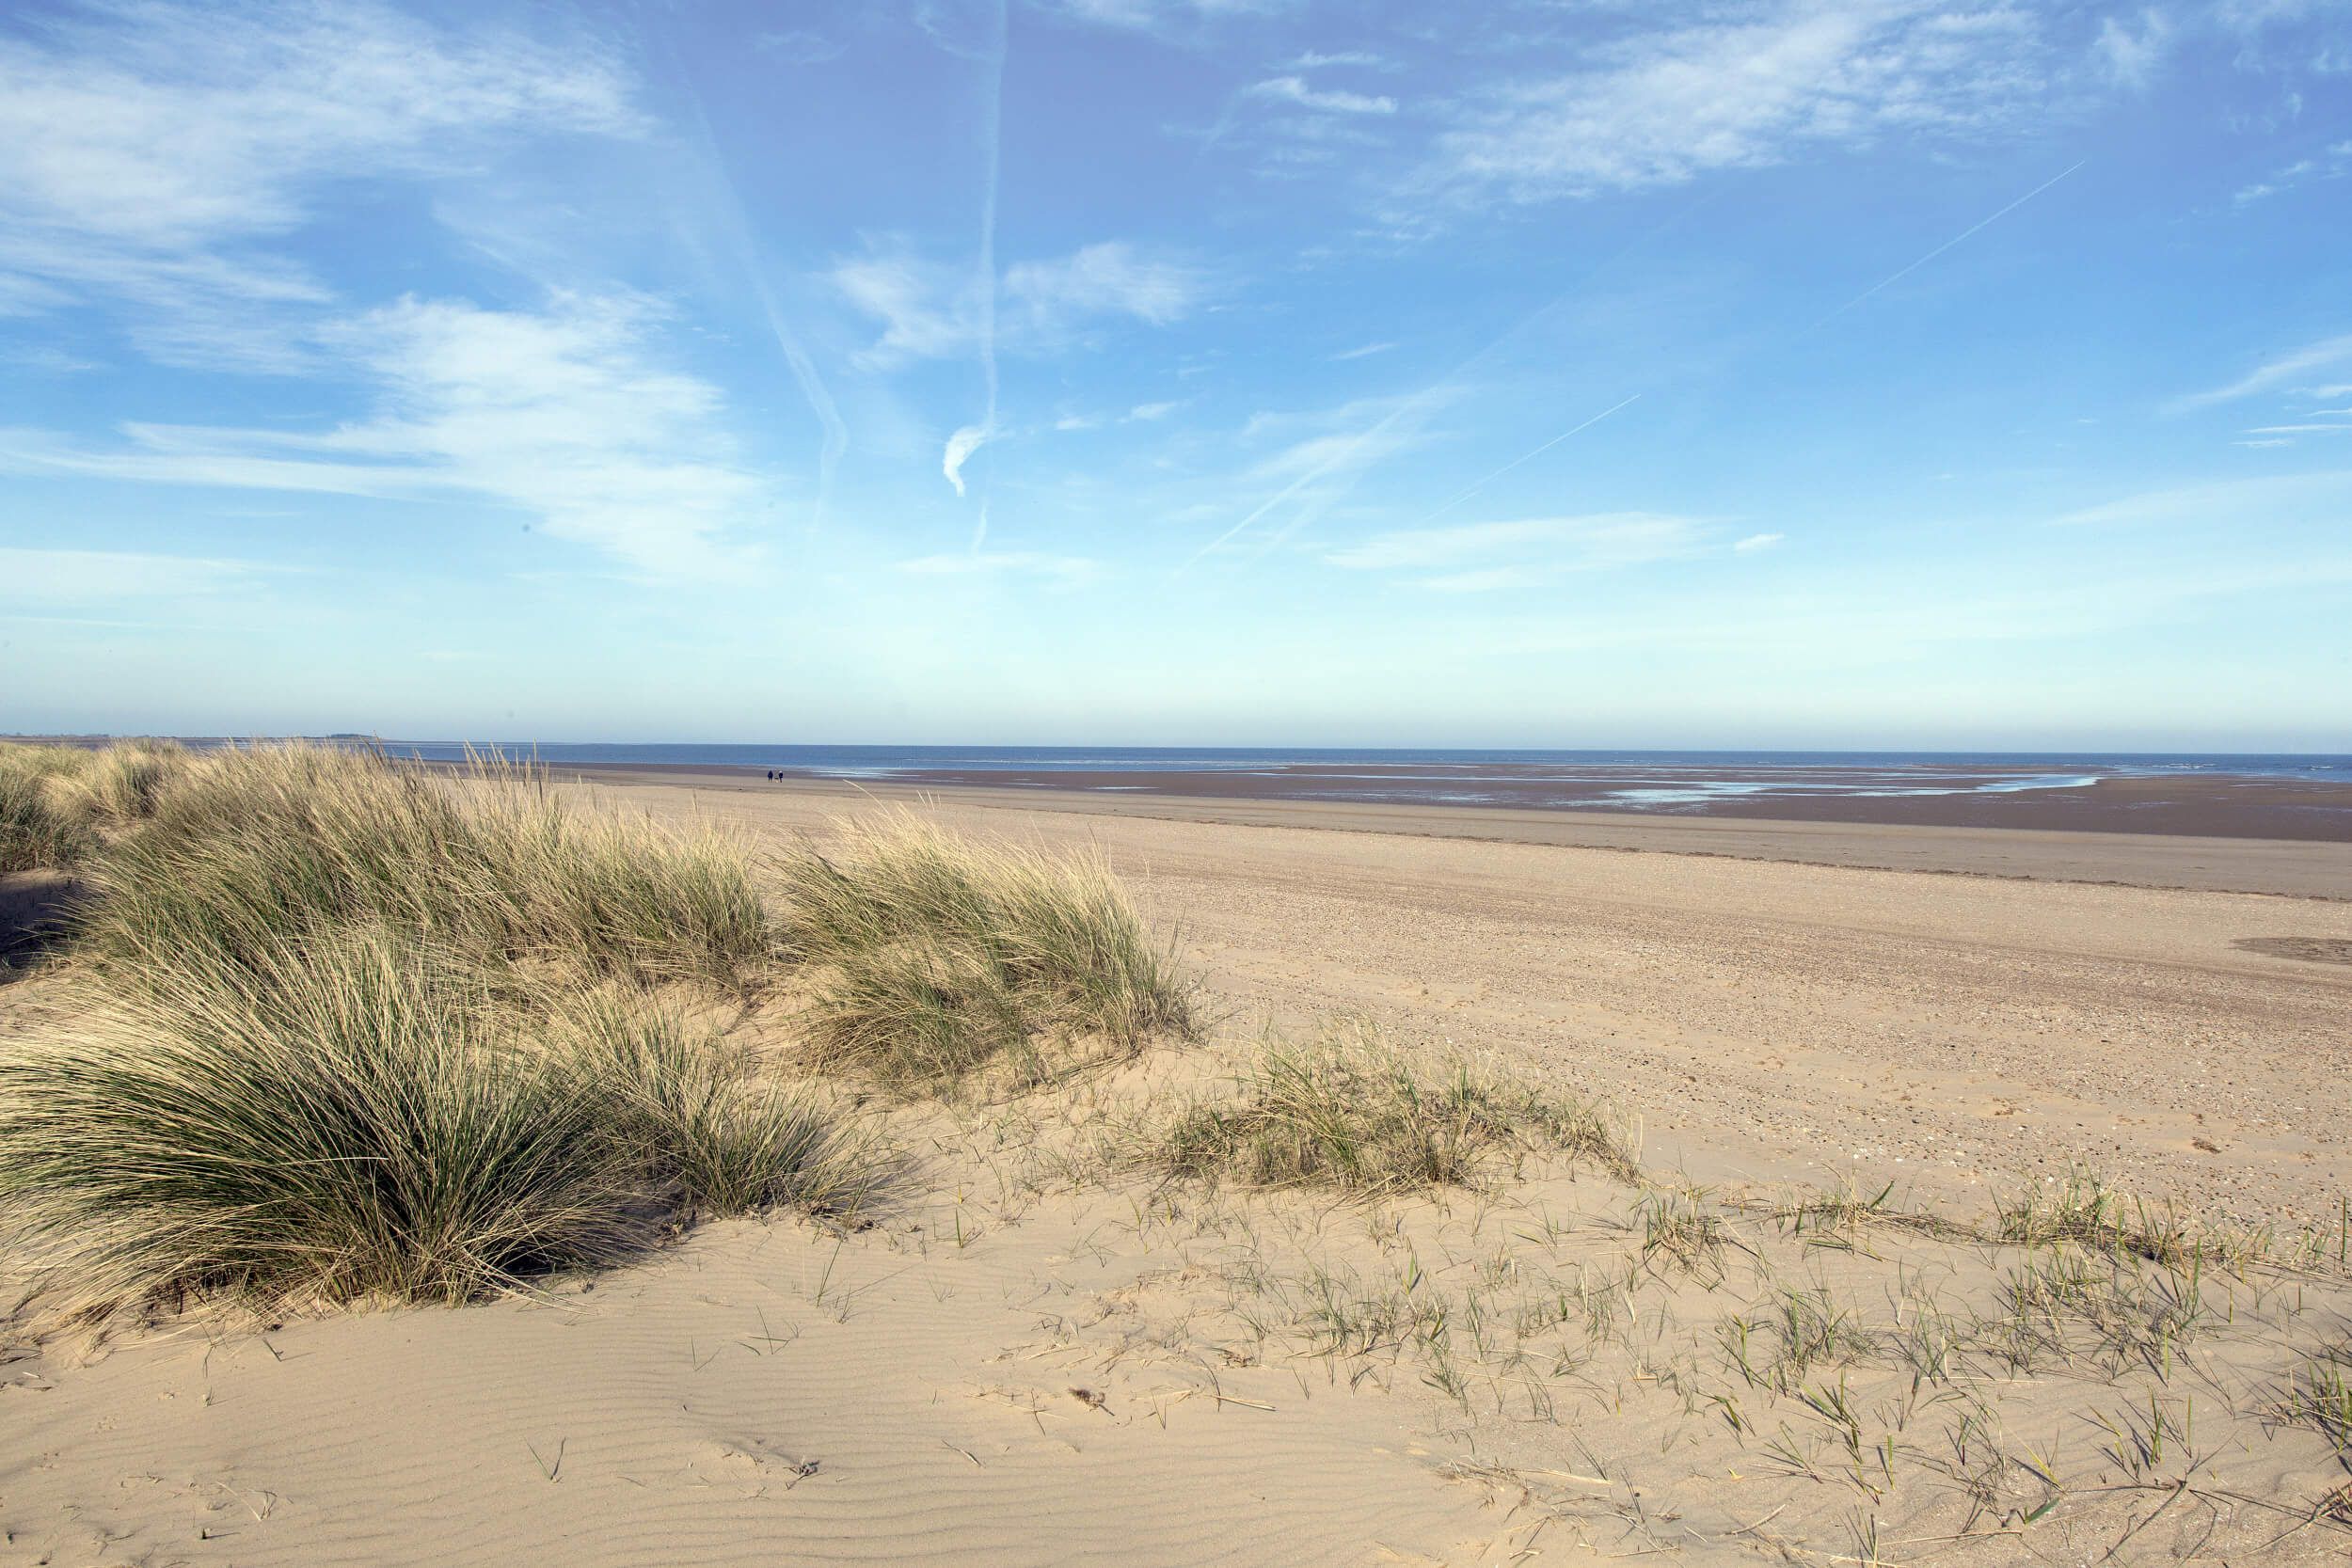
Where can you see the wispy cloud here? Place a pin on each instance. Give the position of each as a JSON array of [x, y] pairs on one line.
[[1758, 542], [1364, 353], [1747, 88], [930, 312], [1294, 89], [2133, 50], [1322, 467], [2226, 502], [84, 576], [1113, 278], [2284, 371], [144, 148], [564, 414], [1548, 549]]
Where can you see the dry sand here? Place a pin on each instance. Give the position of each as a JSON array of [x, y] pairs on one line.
[[1012, 1367]]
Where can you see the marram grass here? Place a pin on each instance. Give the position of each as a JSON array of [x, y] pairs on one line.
[[357, 1115], [935, 958], [356, 1031], [1352, 1110], [34, 833], [54, 800], [247, 846]]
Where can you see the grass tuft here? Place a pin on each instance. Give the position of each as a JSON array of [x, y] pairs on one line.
[[936, 959], [1349, 1109]]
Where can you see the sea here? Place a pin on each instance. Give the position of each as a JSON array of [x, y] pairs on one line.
[[1635, 779]]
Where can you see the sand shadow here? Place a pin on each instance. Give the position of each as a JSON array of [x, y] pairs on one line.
[[34, 905]]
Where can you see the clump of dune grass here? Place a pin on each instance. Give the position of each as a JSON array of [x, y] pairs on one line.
[[1350, 1109], [242, 847], [34, 833], [360, 1113], [355, 1118], [54, 801], [935, 958], [704, 1122], [119, 786]]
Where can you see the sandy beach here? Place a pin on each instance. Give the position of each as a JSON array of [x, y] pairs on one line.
[[1770, 1016], [1013, 1365]]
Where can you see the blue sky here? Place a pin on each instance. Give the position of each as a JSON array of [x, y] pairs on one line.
[[1543, 372]]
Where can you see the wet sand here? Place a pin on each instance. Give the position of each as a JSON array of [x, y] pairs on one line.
[[2115, 834], [2201, 806]]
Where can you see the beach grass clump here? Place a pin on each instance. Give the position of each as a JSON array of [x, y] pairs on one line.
[[352, 1116], [935, 958], [119, 786], [34, 835], [360, 1114], [1350, 1109], [244, 847], [705, 1125], [56, 800]]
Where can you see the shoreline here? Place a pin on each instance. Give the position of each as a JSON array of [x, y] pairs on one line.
[[2280, 867]]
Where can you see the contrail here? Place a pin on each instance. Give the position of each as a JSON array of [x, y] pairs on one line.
[[1518, 330], [1948, 244], [1316, 472], [737, 225], [836, 437], [1516, 461]]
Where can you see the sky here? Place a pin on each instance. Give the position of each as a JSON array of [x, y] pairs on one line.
[[1562, 374]]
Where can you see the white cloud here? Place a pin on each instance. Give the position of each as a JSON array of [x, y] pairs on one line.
[[925, 310], [1549, 547], [1662, 106], [2334, 163], [81, 577], [564, 414], [1365, 351], [2131, 52], [1108, 279], [146, 148], [2228, 501], [2280, 371], [1152, 410], [1294, 89], [1759, 542], [930, 312]]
